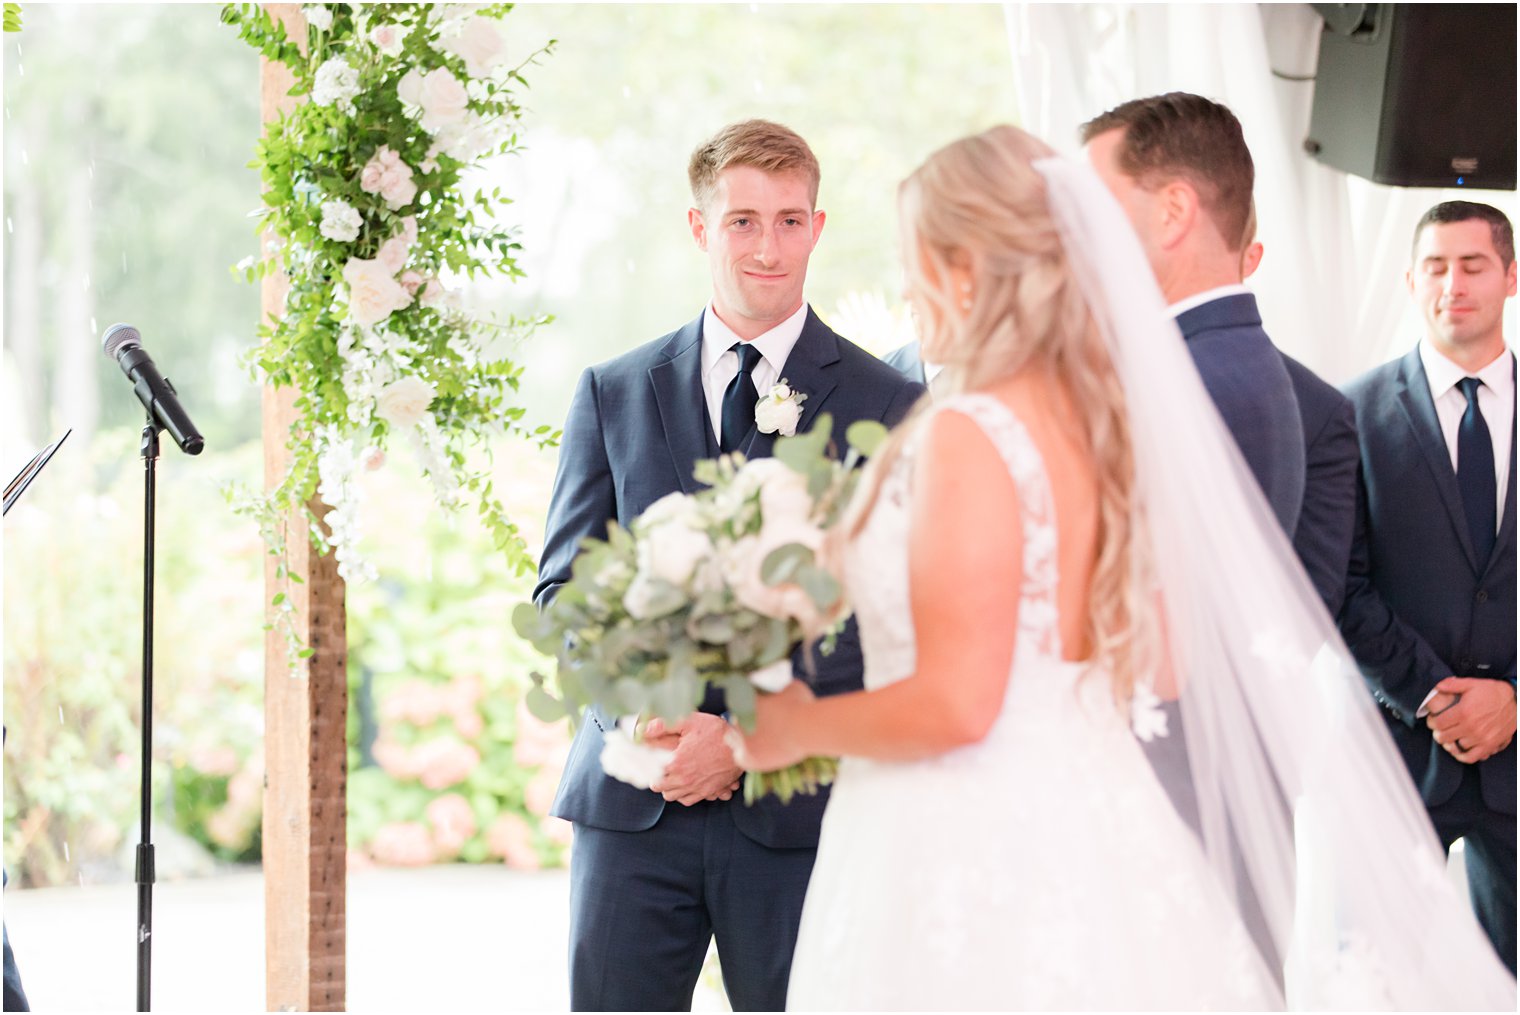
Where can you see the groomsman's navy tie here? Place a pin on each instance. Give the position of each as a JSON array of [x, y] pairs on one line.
[[740, 396], [1475, 473]]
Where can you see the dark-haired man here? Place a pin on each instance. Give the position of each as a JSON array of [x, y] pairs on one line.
[[1179, 165], [1430, 599]]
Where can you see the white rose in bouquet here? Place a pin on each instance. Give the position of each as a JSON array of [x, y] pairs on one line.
[[402, 403], [744, 561], [373, 294], [479, 43], [627, 760], [437, 93], [648, 599], [672, 551], [336, 84], [773, 678], [340, 221]]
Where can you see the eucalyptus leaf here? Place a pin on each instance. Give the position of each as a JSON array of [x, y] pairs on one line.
[[822, 587], [783, 562], [866, 436], [544, 706]]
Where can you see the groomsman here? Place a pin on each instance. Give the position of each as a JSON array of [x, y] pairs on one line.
[[657, 874], [1430, 599]]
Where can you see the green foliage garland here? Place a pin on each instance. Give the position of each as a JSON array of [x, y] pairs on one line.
[[369, 219]]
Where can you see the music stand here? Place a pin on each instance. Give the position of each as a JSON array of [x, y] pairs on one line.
[[17, 486]]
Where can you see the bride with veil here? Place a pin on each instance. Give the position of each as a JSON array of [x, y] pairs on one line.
[[1065, 538]]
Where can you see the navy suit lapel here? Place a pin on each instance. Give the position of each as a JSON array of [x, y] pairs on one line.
[[1420, 409], [806, 371], [682, 404], [1506, 541]]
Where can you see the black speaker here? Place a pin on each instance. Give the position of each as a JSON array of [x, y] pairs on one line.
[[1417, 95]]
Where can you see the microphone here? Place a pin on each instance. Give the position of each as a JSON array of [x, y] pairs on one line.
[[122, 343]]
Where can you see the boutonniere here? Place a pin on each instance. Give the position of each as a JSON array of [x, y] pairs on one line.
[[779, 409]]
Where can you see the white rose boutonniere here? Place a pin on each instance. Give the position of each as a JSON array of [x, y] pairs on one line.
[[402, 403], [779, 409]]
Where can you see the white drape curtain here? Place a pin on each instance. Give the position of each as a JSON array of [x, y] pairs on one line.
[[1331, 286]]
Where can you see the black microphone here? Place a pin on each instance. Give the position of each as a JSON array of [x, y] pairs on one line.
[[122, 343]]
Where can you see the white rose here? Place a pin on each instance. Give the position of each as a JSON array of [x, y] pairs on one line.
[[373, 294], [437, 93], [409, 229], [479, 43], [402, 403], [774, 677], [372, 459], [778, 413], [646, 600], [410, 281], [673, 507], [387, 175], [318, 16], [340, 221], [671, 552], [336, 83], [742, 569], [387, 39], [393, 254], [784, 496], [629, 761]]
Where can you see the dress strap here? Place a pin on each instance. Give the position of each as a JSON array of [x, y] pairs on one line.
[[1039, 615]]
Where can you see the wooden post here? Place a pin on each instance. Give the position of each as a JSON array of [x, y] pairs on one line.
[[305, 712]]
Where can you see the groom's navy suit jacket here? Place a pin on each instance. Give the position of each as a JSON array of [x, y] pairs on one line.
[[1420, 606], [636, 426], [1249, 384]]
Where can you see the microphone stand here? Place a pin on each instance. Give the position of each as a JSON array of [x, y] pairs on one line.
[[145, 872]]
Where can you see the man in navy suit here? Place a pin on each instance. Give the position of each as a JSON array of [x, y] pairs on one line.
[[1430, 599], [657, 874], [1179, 165], [1322, 539]]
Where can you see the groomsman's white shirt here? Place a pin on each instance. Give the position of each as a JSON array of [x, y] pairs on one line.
[[720, 363], [1496, 400]]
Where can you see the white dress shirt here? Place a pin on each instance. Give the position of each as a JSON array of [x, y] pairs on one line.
[[1496, 400], [720, 363], [1187, 303]]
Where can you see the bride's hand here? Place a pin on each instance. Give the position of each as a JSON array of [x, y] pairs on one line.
[[771, 745]]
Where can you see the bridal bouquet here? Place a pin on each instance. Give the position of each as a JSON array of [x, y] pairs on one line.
[[714, 588]]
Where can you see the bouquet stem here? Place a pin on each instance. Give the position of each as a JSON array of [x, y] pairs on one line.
[[805, 777]]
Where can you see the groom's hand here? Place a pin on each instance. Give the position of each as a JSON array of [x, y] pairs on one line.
[[703, 767]]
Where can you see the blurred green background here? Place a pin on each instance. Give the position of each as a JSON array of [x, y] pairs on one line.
[[126, 135]]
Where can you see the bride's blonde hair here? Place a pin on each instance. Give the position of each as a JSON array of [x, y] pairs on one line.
[[979, 206]]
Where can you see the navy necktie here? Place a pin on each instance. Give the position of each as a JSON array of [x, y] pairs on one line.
[[739, 399], [1475, 473]]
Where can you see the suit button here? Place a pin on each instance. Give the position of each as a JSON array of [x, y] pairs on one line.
[[1482, 596], [1397, 715]]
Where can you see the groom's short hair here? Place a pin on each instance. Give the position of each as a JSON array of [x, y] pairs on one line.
[[767, 146], [1184, 135]]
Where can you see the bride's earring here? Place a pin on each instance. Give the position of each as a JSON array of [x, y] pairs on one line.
[[965, 295]]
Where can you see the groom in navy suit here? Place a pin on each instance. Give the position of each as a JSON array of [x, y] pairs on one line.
[[1430, 602], [657, 874]]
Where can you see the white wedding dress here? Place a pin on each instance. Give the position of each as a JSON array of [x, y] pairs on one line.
[[1042, 868]]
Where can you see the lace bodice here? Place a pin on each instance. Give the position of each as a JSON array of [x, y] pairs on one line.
[[876, 564]]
